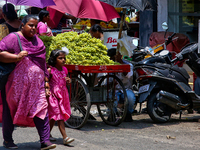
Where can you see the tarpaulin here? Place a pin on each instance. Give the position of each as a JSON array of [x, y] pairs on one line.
[[176, 45]]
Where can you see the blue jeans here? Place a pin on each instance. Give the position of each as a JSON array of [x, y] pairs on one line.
[[131, 99]]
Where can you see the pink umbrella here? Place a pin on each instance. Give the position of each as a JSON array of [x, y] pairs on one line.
[[34, 3], [92, 9]]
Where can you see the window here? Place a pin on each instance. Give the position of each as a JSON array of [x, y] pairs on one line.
[[183, 16]]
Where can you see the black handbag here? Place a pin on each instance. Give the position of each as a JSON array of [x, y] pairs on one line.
[[7, 68]]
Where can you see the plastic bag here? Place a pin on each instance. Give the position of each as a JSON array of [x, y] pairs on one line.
[[126, 45]]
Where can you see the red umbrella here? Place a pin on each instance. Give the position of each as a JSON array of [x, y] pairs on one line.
[[92, 9]]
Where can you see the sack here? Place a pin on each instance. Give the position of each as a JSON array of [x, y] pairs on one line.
[[7, 68], [4, 31], [126, 45]]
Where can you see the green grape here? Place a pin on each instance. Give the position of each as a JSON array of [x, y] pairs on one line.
[[83, 49]]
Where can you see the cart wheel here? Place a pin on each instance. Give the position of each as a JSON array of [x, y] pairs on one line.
[[111, 112], [80, 104]]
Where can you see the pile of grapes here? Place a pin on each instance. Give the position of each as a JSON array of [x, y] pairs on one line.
[[83, 49]]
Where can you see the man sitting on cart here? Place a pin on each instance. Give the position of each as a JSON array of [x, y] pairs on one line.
[[127, 80]]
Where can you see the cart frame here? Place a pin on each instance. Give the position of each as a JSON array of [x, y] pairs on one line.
[[96, 85]]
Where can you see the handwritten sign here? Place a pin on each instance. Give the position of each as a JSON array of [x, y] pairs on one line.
[[102, 68]]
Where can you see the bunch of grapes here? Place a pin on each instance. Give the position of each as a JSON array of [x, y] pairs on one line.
[[83, 49], [47, 42]]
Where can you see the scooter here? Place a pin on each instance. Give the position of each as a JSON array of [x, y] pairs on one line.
[[139, 60], [166, 85]]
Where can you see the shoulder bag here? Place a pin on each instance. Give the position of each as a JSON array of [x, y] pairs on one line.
[[7, 68]]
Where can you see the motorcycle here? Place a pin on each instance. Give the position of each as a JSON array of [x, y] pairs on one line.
[[166, 85], [139, 58]]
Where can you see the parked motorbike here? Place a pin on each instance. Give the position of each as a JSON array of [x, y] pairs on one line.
[[138, 59], [166, 85]]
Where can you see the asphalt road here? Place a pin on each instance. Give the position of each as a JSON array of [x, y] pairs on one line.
[[141, 134]]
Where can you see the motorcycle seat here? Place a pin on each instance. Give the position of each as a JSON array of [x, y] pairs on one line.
[[180, 70], [194, 95]]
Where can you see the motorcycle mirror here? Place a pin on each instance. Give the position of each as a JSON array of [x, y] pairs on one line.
[[164, 26], [164, 52]]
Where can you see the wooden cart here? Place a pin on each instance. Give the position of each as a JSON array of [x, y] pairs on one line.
[[96, 85]]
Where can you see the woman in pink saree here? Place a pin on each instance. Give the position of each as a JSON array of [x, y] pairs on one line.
[[25, 89]]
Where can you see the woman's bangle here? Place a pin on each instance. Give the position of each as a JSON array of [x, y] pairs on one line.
[[17, 58]]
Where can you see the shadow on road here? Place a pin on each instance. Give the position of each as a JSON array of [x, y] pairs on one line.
[[140, 121], [26, 146]]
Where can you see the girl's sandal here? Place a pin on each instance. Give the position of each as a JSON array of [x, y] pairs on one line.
[[67, 140]]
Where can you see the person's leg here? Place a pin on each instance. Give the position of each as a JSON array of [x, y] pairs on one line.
[[7, 123], [61, 126], [197, 86], [43, 129], [197, 89], [51, 122], [131, 100], [119, 100]]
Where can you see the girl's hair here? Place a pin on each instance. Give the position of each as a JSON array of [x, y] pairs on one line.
[[28, 17], [96, 28], [42, 14], [54, 54], [9, 11]]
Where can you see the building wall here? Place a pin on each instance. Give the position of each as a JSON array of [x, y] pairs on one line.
[[162, 15]]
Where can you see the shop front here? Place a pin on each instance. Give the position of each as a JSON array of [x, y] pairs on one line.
[[183, 16]]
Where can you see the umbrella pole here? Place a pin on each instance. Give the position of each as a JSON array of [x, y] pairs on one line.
[[121, 29]]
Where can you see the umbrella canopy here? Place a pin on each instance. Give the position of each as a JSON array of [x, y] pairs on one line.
[[34, 3], [2, 2], [137, 4], [92, 9]]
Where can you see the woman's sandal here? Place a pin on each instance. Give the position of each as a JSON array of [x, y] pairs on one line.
[[67, 140]]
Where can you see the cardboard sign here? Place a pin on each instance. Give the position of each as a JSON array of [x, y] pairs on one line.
[[110, 38]]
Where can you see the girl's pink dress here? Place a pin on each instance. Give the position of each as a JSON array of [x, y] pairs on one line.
[[59, 105]]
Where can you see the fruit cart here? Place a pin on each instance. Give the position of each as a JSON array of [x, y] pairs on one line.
[[96, 85]]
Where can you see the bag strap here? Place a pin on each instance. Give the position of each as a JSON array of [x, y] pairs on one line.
[[20, 45]]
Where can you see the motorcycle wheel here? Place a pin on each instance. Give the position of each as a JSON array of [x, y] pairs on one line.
[[158, 112]]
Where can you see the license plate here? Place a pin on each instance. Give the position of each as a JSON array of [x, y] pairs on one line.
[[144, 88]]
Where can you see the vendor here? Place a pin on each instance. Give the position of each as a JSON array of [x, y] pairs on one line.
[[96, 32], [42, 28]]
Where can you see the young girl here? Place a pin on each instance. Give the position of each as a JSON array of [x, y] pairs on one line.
[[59, 105]]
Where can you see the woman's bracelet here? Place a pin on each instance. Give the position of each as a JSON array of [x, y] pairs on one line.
[[18, 58], [46, 85]]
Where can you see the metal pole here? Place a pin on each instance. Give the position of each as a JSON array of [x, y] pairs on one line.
[[121, 28]]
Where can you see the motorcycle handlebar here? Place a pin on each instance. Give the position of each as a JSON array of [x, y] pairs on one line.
[[172, 35], [173, 60], [169, 40]]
